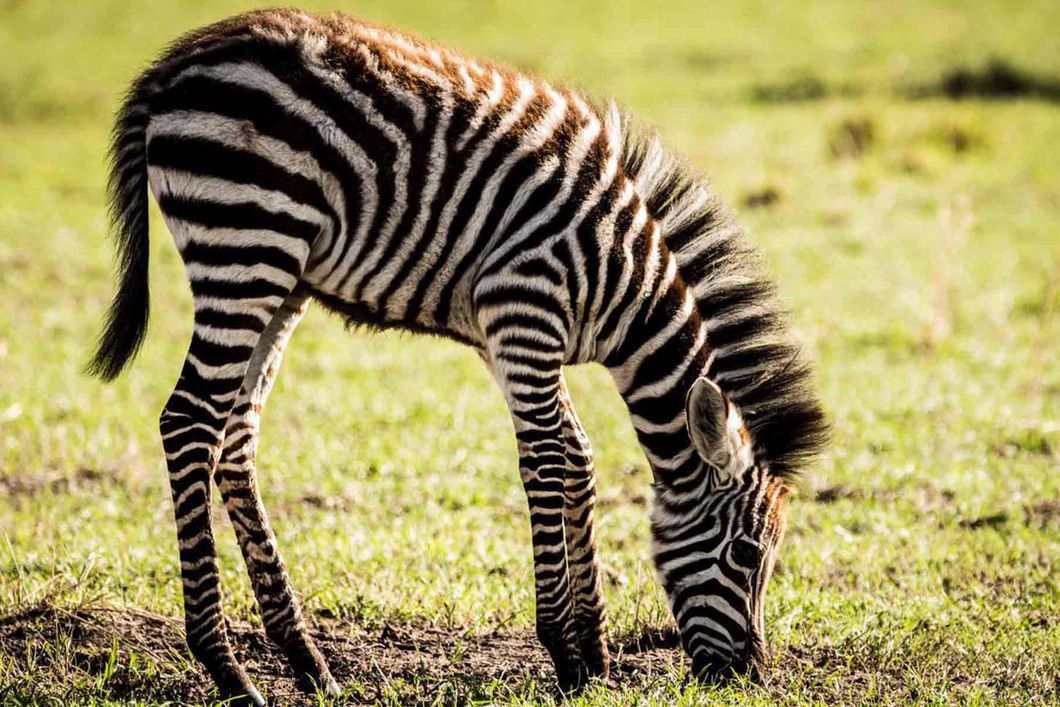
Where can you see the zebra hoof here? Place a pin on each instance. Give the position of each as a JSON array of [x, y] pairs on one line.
[[255, 697], [309, 665], [572, 674], [234, 686], [249, 697], [331, 688], [597, 659]]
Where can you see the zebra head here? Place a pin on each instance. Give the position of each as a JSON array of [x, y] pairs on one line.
[[715, 540]]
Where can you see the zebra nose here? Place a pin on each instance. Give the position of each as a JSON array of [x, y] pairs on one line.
[[720, 670]]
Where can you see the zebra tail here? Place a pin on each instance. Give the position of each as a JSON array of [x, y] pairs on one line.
[[126, 324]]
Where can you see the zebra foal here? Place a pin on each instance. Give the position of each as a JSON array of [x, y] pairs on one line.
[[297, 157]]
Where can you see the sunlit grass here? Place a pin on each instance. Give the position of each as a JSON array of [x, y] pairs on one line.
[[915, 241]]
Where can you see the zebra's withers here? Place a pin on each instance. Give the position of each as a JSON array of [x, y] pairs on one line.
[[406, 185]]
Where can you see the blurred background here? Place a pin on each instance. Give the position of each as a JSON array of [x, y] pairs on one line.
[[896, 162]]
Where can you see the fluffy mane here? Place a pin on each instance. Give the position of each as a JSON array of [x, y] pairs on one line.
[[754, 357]]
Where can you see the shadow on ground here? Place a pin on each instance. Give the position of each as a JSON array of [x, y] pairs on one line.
[[61, 656]]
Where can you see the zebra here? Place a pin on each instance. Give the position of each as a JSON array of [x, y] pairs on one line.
[[299, 158]]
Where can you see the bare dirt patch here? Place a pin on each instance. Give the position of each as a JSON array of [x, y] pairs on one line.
[[762, 198], [1042, 514], [51, 655], [923, 496], [54, 482], [127, 654]]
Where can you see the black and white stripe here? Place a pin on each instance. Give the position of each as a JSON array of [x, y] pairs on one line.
[[405, 185]]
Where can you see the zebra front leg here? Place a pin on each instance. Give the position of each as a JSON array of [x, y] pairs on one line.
[[582, 563], [532, 390], [236, 475]]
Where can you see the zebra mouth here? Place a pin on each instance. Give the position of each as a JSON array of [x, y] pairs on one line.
[[718, 669]]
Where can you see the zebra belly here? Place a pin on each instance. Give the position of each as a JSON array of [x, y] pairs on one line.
[[358, 314]]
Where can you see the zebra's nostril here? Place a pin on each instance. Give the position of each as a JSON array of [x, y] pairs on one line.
[[713, 669], [719, 670], [746, 553]]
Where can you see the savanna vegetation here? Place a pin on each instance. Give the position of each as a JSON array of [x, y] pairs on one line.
[[895, 161]]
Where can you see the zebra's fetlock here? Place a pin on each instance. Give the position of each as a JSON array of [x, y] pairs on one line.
[[308, 664], [563, 646], [233, 684]]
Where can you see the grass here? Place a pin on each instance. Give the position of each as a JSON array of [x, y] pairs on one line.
[[914, 238]]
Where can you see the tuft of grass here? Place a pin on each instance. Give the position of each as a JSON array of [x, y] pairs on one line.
[[997, 79], [852, 137], [797, 89]]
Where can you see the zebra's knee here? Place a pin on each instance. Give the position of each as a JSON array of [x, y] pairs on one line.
[[169, 419]]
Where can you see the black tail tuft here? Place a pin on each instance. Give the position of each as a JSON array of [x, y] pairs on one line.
[[127, 194]]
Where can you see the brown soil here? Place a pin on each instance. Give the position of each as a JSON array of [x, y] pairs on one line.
[[57, 656], [409, 663], [53, 482]]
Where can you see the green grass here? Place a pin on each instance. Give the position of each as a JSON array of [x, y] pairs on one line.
[[916, 241]]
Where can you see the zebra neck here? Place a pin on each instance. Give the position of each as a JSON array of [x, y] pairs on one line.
[[662, 355]]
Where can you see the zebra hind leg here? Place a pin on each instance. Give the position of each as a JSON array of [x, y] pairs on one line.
[[583, 566], [192, 427], [236, 478], [230, 318]]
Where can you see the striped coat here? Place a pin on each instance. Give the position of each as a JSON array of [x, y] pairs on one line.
[[298, 158]]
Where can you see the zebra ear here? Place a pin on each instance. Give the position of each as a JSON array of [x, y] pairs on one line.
[[707, 412]]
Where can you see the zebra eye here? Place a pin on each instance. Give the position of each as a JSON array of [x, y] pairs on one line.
[[745, 553]]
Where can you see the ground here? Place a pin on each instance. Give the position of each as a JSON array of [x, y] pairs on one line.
[[896, 164]]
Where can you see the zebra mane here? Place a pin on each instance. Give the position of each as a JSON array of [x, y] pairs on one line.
[[754, 358]]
